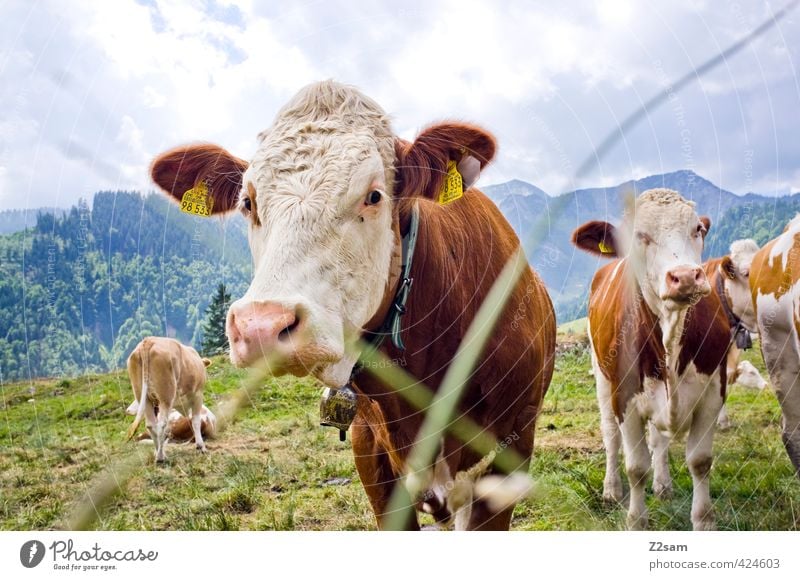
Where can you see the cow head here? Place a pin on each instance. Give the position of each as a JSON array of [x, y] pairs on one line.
[[322, 197], [735, 272], [663, 237]]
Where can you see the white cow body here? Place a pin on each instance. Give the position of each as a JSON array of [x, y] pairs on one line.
[[775, 287]]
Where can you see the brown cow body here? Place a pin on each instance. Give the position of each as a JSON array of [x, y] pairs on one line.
[[506, 391]]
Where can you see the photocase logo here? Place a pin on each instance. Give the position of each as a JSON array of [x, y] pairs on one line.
[[31, 553]]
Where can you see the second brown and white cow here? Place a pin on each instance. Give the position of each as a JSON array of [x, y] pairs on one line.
[[329, 197], [659, 342], [729, 277], [166, 374]]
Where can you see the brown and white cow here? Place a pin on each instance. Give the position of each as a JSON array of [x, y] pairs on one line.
[[166, 374], [328, 196], [775, 291], [659, 341], [729, 277]]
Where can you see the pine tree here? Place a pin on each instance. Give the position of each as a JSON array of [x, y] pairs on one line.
[[214, 339]]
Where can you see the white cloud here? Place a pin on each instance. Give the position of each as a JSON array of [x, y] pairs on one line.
[[89, 95]]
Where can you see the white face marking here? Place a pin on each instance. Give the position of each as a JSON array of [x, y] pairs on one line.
[[738, 288], [666, 234], [322, 243]]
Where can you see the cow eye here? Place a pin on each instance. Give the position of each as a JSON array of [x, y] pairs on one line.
[[373, 197], [247, 204]]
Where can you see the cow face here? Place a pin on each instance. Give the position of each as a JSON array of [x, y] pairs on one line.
[[320, 197], [663, 238], [735, 272]]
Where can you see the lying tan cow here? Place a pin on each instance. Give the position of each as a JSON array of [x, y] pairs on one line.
[[180, 426], [659, 342], [748, 376], [775, 290], [165, 373], [729, 277]]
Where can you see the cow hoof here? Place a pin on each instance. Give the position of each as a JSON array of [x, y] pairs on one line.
[[723, 425], [201, 448], [612, 494], [662, 491], [704, 525], [637, 523], [704, 521]]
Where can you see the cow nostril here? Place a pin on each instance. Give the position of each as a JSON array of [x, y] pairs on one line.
[[673, 279], [232, 329], [699, 276], [286, 333]]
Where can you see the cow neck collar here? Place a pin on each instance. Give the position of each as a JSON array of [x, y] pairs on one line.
[[386, 321], [739, 332]]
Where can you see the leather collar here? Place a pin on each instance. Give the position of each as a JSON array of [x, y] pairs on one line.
[[386, 320], [739, 332]]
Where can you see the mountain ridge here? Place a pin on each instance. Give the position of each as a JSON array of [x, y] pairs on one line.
[[81, 287]]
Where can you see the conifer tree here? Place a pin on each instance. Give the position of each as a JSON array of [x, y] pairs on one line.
[[214, 339]]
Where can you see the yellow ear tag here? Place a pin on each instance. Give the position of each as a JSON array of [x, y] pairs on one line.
[[197, 201], [453, 187], [604, 248]]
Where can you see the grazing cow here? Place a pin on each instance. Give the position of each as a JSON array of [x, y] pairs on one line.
[[729, 277], [330, 197], [775, 291], [659, 341], [165, 373], [180, 426]]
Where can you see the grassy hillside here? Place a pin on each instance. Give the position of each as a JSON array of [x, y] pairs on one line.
[[575, 327], [274, 468]]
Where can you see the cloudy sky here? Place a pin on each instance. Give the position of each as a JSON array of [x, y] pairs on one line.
[[90, 90]]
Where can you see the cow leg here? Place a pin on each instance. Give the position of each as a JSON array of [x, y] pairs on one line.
[[197, 419], [723, 421], [484, 519], [375, 471], [732, 365], [162, 431], [662, 481], [150, 419], [783, 363], [637, 465], [698, 455], [612, 484]]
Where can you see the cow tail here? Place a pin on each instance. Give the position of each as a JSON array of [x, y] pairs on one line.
[[143, 400]]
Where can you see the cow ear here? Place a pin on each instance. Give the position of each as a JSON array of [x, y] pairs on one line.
[[422, 165], [178, 170], [726, 268], [706, 221], [598, 238]]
